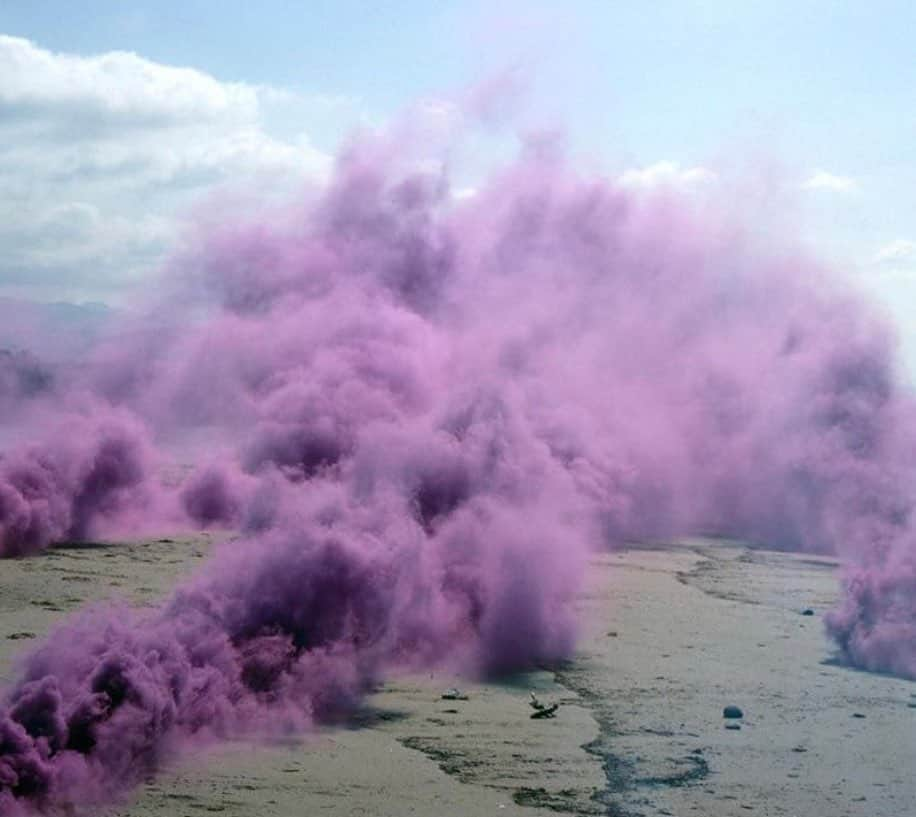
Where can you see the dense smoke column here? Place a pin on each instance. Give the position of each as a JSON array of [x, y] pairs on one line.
[[422, 416], [88, 470], [288, 628], [284, 640]]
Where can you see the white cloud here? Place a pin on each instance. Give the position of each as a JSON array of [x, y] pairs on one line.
[[116, 85], [464, 193], [99, 154], [829, 182], [901, 251], [666, 174]]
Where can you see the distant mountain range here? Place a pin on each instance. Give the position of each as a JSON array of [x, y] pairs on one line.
[[54, 332]]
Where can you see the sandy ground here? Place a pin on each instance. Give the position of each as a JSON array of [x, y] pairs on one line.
[[671, 635]]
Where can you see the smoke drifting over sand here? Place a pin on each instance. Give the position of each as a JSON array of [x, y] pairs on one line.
[[86, 469], [423, 416]]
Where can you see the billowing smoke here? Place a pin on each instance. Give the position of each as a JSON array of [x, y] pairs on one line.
[[280, 631], [422, 415], [86, 471]]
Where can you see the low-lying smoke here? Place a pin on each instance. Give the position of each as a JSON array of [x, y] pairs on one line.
[[423, 415], [87, 470]]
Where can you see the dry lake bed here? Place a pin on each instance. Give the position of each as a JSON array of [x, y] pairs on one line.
[[670, 636]]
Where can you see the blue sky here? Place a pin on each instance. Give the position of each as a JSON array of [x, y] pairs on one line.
[[822, 94], [834, 81]]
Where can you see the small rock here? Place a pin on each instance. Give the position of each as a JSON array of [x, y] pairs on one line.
[[732, 712], [858, 715], [20, 636], [807, 612], [799, 749], [734, 726], [612, 634], [454, 694]]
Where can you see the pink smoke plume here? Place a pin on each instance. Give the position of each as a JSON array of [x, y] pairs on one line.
[[423, 414], [90, 466]]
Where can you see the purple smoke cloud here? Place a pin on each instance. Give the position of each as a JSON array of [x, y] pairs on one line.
[[423, 415], [88, 470]]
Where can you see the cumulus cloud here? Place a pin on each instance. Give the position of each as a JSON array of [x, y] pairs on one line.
[[464, 193], [98, 155], [901, 251], [830, 182], [665, 174], [115, 85]]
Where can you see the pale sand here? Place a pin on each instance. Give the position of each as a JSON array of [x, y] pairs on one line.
[[670, 636]]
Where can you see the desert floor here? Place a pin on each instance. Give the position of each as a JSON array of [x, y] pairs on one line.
[[671, 635]]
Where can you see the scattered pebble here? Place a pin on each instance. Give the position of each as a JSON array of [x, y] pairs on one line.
[[858, 715], [734, 726], [807, 612], [20, 636], [454, 694], [732, 712]]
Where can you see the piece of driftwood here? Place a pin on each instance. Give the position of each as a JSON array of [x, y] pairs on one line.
[[546, 712], [542, 710]]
